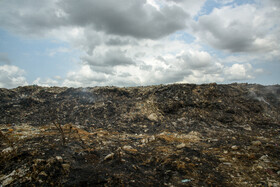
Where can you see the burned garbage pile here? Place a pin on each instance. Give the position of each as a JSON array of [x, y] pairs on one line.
[[166, 135]]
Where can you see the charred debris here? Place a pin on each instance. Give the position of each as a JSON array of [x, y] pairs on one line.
[[167, 135]]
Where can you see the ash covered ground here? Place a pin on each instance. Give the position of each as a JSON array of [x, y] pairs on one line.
[[167, 135]]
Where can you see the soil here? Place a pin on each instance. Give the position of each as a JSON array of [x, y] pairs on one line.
[[166, 135]]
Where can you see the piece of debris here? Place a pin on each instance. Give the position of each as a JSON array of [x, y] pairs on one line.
[[59, 158], [7, 150], [185, 180], [256, 143], [109, 156], [153, 117], [234, 147], [180, 146]]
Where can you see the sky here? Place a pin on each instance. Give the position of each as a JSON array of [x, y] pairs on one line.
[[138, 42]]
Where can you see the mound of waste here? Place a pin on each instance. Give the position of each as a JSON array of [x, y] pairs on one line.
[[166, 135]]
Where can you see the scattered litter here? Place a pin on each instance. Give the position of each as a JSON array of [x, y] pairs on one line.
[[185, 180]]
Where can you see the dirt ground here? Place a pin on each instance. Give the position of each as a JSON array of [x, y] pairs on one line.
[[166, 135]]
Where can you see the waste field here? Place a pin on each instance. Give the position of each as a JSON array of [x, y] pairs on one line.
[[166, 135]]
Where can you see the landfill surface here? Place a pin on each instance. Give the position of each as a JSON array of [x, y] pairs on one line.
[[165, 135]]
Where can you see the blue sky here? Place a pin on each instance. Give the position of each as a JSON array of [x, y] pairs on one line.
[[209, 5], [38, 56], [132, 43]]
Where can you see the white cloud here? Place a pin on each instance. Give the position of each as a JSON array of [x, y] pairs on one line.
[[197, 59], [154, 62], [85, 76], [192, 7], [11, 76], [154, 3], [199, 77], [239, 72], [32, 18], [46, 82], [124, 18], [244, 28], [165, 62], [111, 57]]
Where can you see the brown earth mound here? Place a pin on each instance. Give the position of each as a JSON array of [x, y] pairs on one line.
[[168, 135]]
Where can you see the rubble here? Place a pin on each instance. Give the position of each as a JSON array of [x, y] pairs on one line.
[[257, 143], [166, 135]]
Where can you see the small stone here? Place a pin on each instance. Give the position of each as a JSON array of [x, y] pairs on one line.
[[196, 158], [180, 146], [234, 147], [127, 147], [43, 173], [278, 172], [248, 128], [256, 143], [109, 156], [66, 167], [7, 150], [153, 117], [59, 158]]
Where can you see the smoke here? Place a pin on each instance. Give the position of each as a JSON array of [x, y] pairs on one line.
[[253, 95], [87, 96]]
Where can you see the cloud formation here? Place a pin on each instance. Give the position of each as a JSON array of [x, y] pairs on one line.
[[136, 18], [125, 18], [244, 28], [142, 42], [11, 76], [238, 72], [31, 17]]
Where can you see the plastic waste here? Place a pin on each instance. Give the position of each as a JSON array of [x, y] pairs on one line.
[[185, 180]]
